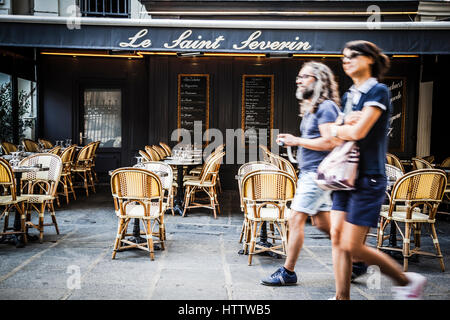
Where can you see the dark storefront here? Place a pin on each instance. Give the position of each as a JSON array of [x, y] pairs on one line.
[[145, 75]]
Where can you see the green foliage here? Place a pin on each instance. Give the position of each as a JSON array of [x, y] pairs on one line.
[[6, 113]]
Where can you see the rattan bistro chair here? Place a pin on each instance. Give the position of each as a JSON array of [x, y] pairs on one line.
[[66, 175], [419, 163], [265, 195], [167, 182], [206, 182], [166, 148], [242, 171], [138, 194], [160, 151], [421, 192], [144, 155], [82, 167], [284, 165], [30, 145], [394, 161], [47, 144], [154, 156], [55, 150], [9, 200], [40, 189], [8, 147]]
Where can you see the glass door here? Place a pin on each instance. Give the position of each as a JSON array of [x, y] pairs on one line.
[[102, 117]]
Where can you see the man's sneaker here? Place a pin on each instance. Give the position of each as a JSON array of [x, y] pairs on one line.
[[414, 289], [358, 269], [280, 278]]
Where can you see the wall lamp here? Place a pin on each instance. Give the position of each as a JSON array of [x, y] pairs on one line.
[[189, 54]]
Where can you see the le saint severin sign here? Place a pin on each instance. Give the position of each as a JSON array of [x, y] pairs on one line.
[[187, 40]]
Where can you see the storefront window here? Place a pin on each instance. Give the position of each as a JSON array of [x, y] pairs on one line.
[[6, 114], [27, 108], [102, 117]]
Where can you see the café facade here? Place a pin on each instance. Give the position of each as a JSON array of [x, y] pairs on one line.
[[131, 82]]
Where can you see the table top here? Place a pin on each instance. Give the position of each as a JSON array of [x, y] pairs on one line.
[[23, 169], [158, 173], [183, 162]]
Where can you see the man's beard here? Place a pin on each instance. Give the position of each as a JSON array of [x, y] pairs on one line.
[[305, 94]]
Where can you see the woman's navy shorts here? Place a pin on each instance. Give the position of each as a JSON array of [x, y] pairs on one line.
[[363, 204]]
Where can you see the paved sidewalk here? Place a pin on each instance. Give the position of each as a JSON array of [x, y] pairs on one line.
[[201, 261]]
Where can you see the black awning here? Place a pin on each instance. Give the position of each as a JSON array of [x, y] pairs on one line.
[[245, 40]]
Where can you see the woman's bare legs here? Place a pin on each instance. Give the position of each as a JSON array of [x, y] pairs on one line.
[[352, 242], [342, 260]]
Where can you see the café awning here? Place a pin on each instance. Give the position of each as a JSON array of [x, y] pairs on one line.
[[232, 36]]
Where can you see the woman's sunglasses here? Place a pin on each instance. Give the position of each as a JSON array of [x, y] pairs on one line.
[[352, 56]]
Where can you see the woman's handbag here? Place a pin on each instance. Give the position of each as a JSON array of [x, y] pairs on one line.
[[339, 169]]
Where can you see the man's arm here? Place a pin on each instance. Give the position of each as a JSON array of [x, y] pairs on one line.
[[323, 143]]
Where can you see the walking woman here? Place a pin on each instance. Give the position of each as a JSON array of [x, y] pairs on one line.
[[368, 106]]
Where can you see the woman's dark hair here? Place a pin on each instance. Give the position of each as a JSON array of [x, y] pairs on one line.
[[381, 61]]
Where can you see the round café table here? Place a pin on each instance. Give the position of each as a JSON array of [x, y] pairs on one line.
[[178, 207]]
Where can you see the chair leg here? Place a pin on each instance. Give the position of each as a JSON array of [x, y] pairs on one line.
[[437, 246], [212, 201], [148, 231], [71, 187], [380, 233], [187, 197], [52, 213], [417, 232], [252, 242], [66, 189], [6, 223], [41, 223], [118, 237], [86, 183], [406, 246]]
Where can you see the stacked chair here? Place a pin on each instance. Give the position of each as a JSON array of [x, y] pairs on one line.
[[30, 145], [419, 163], [67, 157], [138, 194], [47, 144], [82, 167], [166, 148], [8, 147], [394, 161]]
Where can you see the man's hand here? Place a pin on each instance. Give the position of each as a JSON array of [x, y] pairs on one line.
[[289, 139]]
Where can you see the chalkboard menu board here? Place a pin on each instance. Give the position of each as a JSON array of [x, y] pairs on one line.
[[397, 88], [257, 106], [193, 101]]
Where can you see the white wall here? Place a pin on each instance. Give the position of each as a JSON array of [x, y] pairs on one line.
[[46, 7], [6, 8], [138, 11]]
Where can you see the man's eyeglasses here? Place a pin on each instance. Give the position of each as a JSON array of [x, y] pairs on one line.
[[304, 76], [352, 56]]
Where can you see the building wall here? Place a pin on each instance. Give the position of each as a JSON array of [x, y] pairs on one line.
[[151, 97]]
